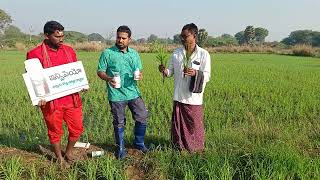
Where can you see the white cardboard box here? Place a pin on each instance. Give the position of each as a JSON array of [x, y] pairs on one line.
[[82, 145]]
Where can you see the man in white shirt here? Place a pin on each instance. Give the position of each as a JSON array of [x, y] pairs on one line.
[[190, 67]]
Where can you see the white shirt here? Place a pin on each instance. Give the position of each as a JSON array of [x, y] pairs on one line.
[[181, 82]]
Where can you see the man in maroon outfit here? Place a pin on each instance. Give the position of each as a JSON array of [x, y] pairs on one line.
[[190, 67]]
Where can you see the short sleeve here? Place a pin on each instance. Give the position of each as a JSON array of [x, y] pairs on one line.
[[102, 65]]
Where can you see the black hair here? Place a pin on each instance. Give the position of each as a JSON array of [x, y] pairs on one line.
[[191, 27], [124, 29], [51, 26]]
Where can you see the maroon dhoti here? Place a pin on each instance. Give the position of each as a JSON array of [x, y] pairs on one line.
[[187, 131]]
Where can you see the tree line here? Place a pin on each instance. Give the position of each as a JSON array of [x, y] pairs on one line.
[[10, 34]]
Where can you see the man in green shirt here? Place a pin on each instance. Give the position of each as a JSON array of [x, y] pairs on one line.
[[120, 66]]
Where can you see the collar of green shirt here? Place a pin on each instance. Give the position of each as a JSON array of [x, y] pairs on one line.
[[115, 48]]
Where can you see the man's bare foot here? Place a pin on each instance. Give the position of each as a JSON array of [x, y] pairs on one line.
[[69, 158], [62, 163]]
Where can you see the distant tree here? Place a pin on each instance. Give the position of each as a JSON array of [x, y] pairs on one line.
[[240, 37], [288, 41], [13, 32], [316, 39], [299, 37], [226, 36], [95, 37], [202, 37], [164, 40], [176, 39], [152, 38], [142, 40], [169, 41], [227, 40], [11, 36], [223, 40], [5, 20], [249, 34], [260, 34], [211, 41], [74, 36]]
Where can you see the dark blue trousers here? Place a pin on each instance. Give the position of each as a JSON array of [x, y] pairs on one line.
[[137, 107]]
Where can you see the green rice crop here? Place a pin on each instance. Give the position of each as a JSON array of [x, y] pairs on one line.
[[261, 120]]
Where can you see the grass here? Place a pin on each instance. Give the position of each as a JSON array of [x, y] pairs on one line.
[[261, 118], [12, 169]]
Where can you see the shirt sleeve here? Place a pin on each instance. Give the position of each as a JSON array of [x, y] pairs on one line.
[[30, 55], [206, 67], [73, 55], [139, 63], [170, 65], [35, 53], [102, 65]]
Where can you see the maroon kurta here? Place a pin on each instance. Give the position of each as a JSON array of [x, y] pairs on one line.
[[187, 127]]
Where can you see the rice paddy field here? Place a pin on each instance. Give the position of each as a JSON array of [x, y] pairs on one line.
[[262, 115]]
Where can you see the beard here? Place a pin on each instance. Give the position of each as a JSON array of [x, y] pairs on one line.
[[52, 44], [121, 46]]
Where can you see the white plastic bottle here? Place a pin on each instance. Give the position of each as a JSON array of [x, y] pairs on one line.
[[97, 153], [136, 74], [117, 79]]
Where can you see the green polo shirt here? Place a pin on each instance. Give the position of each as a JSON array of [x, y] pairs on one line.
[[113, 60]]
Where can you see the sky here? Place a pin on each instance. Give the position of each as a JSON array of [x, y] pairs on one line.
[[166, 18]]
